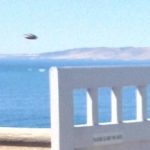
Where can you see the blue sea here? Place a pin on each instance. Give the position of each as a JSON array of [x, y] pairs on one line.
[[25, 99]]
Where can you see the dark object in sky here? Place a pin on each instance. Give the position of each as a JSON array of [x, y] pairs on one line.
[[31, 36]]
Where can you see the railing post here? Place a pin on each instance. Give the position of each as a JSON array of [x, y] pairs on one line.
[[61, 112], [141, 103], [116, 104], [92, 107]]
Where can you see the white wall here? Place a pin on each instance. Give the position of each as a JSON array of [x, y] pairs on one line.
[[117, 135]]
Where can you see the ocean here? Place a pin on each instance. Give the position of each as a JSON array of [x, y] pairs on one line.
[[25, 99]]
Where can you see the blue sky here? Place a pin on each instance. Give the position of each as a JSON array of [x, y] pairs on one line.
[[65, 24]]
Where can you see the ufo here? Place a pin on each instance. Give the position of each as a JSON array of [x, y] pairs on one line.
[[30, 36]]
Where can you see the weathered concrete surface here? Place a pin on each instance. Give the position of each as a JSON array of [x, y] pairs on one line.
[[24, 138]]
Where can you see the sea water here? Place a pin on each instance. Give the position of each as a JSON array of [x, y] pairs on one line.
[[25, 98]]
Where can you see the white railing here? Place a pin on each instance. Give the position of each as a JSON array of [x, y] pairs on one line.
[[116, 135]]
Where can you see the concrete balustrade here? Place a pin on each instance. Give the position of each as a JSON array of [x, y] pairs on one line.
[[115, 135]]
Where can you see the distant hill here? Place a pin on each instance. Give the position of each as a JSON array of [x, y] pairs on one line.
[[98, 53], [102, 53]]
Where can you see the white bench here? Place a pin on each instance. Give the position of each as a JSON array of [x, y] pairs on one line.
[[116, 135]]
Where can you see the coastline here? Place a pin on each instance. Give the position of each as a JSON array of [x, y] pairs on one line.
[[24, 138], [22, 148]]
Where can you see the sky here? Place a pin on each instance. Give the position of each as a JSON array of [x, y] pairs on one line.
[[67, 24]]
